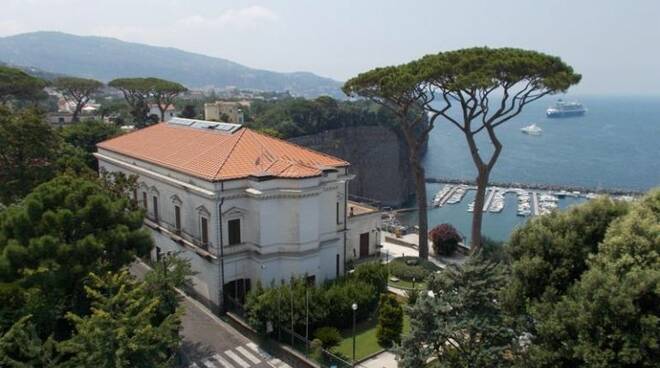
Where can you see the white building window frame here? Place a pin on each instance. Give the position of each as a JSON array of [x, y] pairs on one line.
[[234, 213], [176, 202], [204, 213]]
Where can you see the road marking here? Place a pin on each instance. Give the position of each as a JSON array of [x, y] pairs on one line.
[[193, 365], [248, 355], [237, 359], [264, 354], [222, 361], [278, 363], [209, 364], [273, 362]]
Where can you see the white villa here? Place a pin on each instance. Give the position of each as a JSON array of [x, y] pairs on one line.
[[242, 206]]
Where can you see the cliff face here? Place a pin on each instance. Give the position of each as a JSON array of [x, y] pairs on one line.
[[378, 157]]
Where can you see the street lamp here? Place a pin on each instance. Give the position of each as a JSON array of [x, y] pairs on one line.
[[354, 307], [413, 283]]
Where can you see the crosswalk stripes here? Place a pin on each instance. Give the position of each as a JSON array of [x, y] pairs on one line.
[[222, 361], [237, 359], [209, 364], [248, 355], [274, 362]]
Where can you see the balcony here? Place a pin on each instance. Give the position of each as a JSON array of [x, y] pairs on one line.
[[182, 238]]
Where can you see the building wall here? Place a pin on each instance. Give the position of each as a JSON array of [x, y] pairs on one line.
[[214, 111], [367, 223], [288, 227]]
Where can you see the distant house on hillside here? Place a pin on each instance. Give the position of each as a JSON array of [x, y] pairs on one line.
[[170, 112], [225, 111], [242, 206], [59, 119]]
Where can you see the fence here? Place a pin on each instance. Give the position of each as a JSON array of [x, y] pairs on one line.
[[284, 335]]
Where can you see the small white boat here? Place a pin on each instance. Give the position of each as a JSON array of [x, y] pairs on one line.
[[532, 130]]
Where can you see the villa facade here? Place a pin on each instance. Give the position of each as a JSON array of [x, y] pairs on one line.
[[241, 206]]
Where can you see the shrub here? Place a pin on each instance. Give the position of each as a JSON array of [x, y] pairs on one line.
[[316, 350], [329, 336], [420, 269], [341, 295], [373, 273], [328, 305], [390, 321], [412, 295], [445, 239]]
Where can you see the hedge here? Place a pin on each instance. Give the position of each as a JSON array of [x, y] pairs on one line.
[[405, 268], [329, 305]]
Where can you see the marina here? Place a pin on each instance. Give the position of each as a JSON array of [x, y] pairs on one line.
[[506, 207], [530, 202]]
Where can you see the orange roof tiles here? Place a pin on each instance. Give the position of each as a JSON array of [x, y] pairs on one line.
[[215, 156]]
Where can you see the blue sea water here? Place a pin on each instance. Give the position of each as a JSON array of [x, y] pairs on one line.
[[615, 145]]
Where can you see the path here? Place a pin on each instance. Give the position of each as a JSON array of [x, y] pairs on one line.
[[209, 342], [385, 359]]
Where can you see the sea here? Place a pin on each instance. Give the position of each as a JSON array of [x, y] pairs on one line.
[[616, 144]]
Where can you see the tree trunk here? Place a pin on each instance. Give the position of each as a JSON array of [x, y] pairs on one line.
[[420, 189], [477, 215], [76, 113]]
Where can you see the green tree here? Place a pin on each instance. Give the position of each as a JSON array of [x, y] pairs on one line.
[[398, 90], [611, 316], [137, 92], [479, 89], [52, 239], [120, 331], [390, 321], [459, 321], [549, 253], [16, 84], [28, 149], [20, 347], [86, 135], [164, 94], [167, 275], [78, 91]]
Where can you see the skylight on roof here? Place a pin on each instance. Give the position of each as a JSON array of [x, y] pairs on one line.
[[206, 125]]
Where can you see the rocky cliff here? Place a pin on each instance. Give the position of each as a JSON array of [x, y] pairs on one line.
[[378, 157]]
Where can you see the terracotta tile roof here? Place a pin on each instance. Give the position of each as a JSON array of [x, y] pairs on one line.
[[215, 156]]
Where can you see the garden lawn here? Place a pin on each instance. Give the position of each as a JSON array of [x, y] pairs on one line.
[[403, 284], [365, 340]]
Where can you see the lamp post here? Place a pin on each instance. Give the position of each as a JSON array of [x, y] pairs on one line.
[[413, 283], [354, 307], [307, 321]]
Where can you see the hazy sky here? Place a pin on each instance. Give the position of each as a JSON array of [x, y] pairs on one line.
[[614, 44]]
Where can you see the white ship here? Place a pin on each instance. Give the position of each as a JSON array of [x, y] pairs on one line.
[[564, 109], [532, 130]]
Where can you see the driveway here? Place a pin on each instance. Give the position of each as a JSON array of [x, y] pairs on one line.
[[209, 342]]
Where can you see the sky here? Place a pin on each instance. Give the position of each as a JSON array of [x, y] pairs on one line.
[[615, 45]]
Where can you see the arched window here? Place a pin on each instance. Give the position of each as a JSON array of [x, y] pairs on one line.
[[155, 209], [204, 222], [176, 205]]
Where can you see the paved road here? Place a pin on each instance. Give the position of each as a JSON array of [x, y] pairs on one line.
[[209, 342]]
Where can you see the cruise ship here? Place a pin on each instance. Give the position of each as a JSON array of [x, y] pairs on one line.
[[563, 109]]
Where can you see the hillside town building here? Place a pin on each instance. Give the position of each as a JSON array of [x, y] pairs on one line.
[[242, 206], [225, 111], [170, 112]]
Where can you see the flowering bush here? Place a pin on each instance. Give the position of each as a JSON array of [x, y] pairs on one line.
[[445, 239]]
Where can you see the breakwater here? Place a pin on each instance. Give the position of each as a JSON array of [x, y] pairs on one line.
[[544, 187]]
